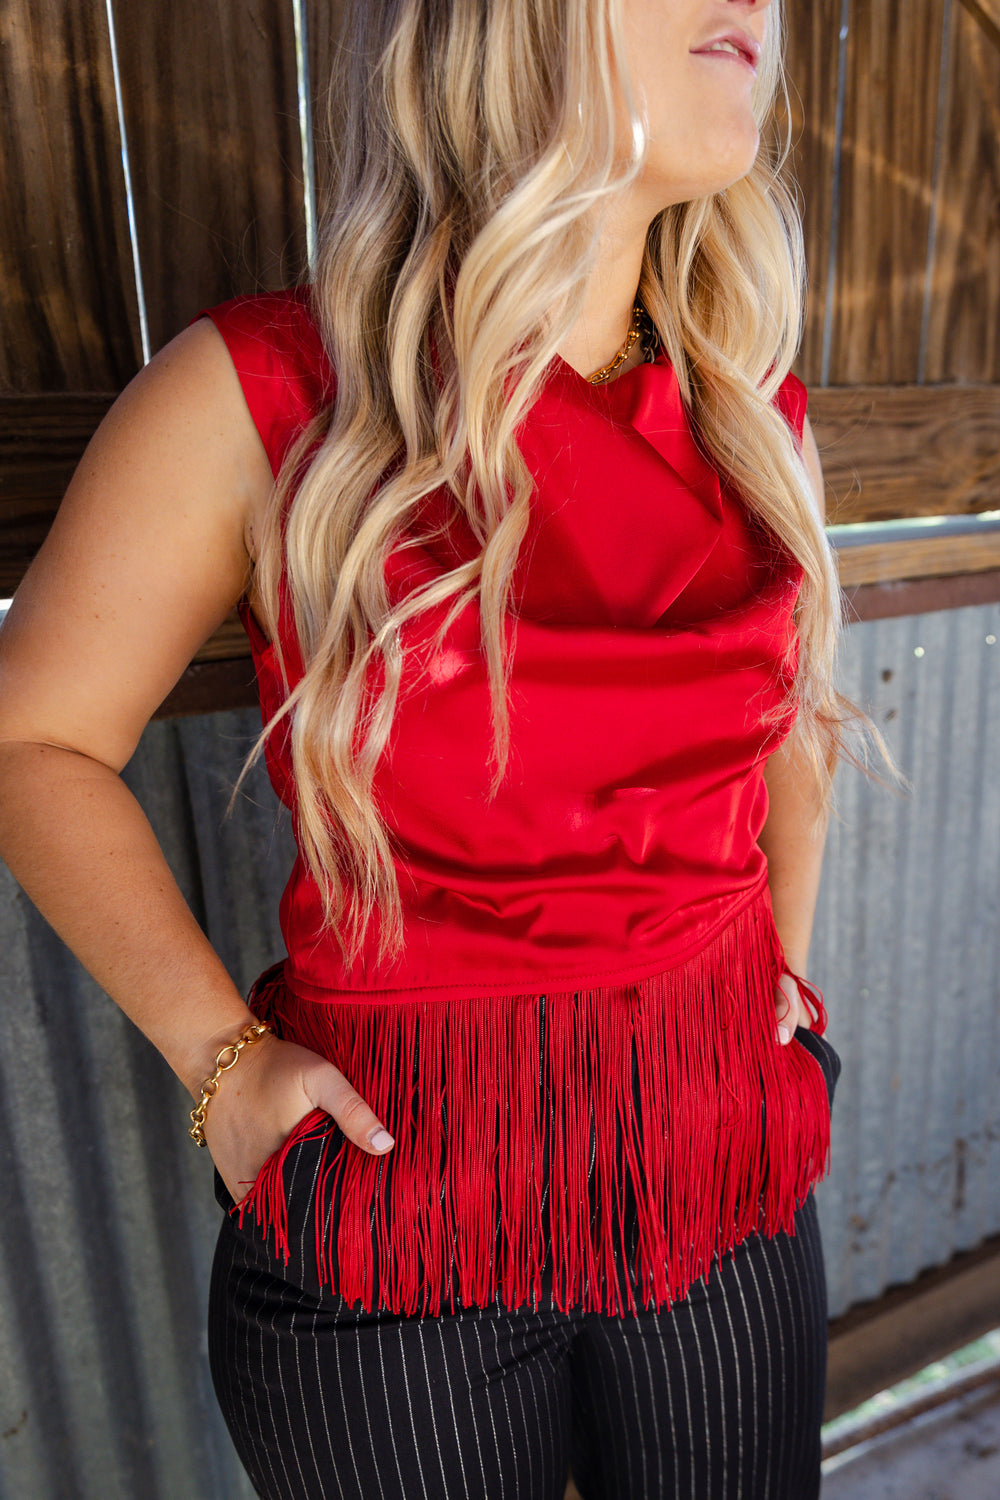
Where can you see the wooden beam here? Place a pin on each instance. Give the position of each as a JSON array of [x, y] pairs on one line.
[[930, 557], [883, 211], [210, 687], [987, 13], [70, 309], [221, 676], [921, 596], [41, 440], [887, 453], [882, 1342], [895, 451]]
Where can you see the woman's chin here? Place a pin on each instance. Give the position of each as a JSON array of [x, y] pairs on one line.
[[710, 177]]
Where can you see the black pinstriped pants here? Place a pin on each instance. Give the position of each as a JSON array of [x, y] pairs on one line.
[[718, 1397]]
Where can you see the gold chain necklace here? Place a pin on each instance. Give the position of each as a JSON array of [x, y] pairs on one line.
[[635, 332]]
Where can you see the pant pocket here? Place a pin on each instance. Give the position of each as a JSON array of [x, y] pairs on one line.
[[825, 1054], [281, 1226]]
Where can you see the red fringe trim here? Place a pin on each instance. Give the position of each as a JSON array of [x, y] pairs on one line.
[[702, 1126], [814, 1001]]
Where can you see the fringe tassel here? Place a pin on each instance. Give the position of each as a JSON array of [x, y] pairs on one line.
[[701, 1127], [814, 1000]]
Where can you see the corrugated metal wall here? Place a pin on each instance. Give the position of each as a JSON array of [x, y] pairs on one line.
[[907, 946], [108, 1216]]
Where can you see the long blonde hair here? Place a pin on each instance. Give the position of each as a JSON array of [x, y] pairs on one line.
[[478, 142]]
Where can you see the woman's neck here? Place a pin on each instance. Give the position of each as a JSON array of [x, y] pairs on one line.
[[600, 330]]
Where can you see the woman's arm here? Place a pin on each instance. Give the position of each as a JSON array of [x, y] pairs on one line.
[[146, 557], [792, 839]]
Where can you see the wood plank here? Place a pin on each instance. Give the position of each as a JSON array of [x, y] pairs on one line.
[[70, 317], [964, 324], [211, 107], [210, 685], [324, 25], [987, 13], [228, 643], [886, 453], [890, 452], [875, 1345], [41, 440], [887, 169], [933, 558], [921, 596], [811, 56]]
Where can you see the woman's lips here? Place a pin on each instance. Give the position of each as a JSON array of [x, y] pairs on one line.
[[746, 49]]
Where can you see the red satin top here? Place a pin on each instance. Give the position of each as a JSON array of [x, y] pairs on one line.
[[653, 631], [576, 1052]]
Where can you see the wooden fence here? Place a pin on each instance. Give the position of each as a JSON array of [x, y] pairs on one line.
[[896, 114]]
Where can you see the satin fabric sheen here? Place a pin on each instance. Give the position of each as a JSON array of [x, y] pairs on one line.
[[653, 654]]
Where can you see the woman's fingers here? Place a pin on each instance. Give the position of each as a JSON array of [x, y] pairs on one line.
[[330, 1090], [790, 1009], [267, 1095]]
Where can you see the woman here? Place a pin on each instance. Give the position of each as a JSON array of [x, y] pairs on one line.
[[523, 516]]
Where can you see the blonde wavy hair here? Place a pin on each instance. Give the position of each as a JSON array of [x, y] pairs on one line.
[[477, 143]]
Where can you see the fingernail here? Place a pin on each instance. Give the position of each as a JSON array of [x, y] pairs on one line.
[[381, 1141], [784, 1034]]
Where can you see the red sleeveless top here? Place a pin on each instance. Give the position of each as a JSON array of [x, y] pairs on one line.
[[614, 882]]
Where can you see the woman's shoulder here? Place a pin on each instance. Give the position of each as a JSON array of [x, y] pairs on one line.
[[277, 352]]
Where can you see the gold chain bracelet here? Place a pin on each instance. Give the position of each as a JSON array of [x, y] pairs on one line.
[[210, 1087]]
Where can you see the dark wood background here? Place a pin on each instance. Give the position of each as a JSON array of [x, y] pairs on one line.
[[896, 117]]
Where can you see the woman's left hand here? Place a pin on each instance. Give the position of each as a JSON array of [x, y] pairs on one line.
[[790, 1009]]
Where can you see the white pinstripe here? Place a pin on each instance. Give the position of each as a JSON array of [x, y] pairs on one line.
[[770, 1378], [288, 1414], [722, 1392], [528, 1368], [625, 1343], [730, 1264], [631, 1439], [385, 1388], [661, 1327], [707, 1447], [644, 1346], [344, 1406], [368, 1420], [257, 1426], [475, 1429], [297, 1342], [781, 1346], [298, 1370], [409, 1406], [804, 1326], [454, 1408], [319, 1372], [786, 1450], [476, 1325], [618, 1382], [430, 1402], [559, 1377], [232, 1365]]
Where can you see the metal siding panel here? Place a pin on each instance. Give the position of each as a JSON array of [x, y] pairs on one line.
[[109, 1214], [906, 949]]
